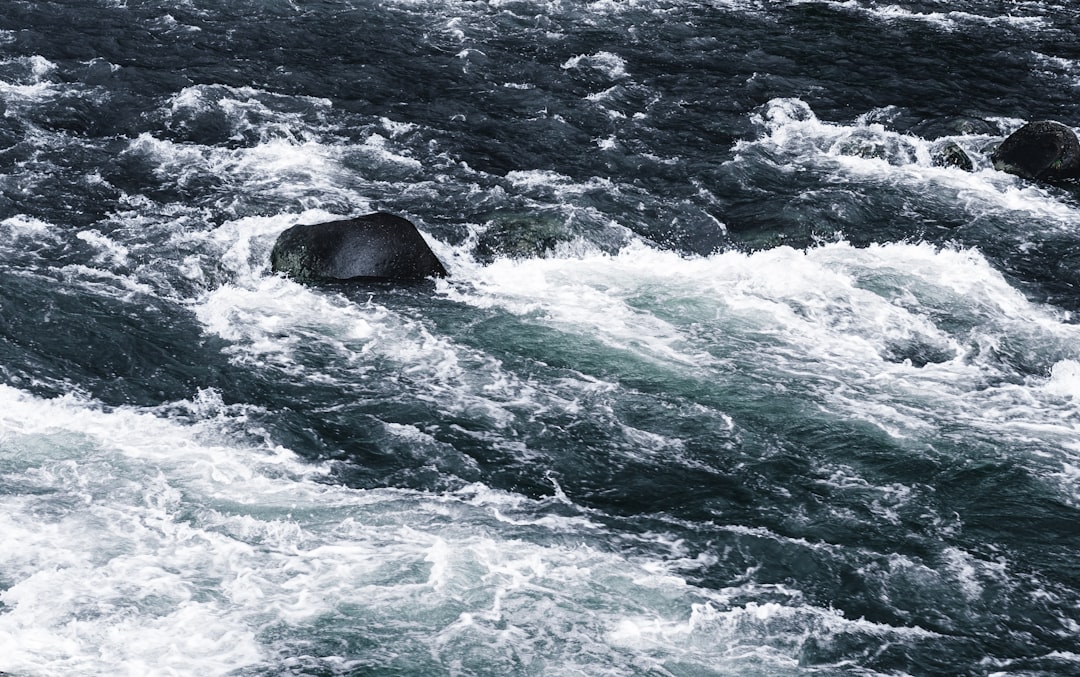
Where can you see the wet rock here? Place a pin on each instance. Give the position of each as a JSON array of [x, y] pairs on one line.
[[950, 154], [955, 126], [918, 353], [376, 246], [1044, 150], [870, 144], [972, 126], [521, 236]]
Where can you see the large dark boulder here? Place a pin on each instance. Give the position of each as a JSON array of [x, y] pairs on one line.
[[1043, 150], [375, 246]]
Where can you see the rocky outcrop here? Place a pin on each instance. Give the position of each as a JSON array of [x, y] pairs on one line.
[[1043, 150], [376, 246]]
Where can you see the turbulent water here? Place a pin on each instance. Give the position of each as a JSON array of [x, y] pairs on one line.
[[729, 377]]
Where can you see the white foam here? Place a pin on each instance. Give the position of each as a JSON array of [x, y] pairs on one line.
[[948, 19], [377, 145], [23, 226], [832, 323], [100, 575], [795, 135], [1058, 67], [284, 168], [260, 105], [719, 634], [608, 143], [611, 65], [135, 545], [396, 128], [547, 180], [1065, 379], [110, 250], [270, 318], [31, 82]]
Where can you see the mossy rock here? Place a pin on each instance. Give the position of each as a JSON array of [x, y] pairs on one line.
[[516, 235]]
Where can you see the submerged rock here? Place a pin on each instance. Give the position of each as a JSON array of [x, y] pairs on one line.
[[1044, 150], [874, 145], [950, 154], [918, 353], [937, 128], [376, 246], [972, 126], [521, 236]]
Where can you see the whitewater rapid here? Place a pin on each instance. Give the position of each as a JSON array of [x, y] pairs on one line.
[[767, 392]]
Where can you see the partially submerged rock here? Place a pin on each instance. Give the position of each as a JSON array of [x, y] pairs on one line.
[[950, 154], [376, 246], [936, 128], [875, 145], [521, 235], [1043, 150]]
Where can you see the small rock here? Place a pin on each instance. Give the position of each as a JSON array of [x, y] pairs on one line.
[[521, 236], [950, 154]]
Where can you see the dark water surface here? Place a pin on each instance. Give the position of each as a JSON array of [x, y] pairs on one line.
[[729, 376]]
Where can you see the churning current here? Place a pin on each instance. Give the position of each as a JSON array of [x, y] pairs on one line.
[[730, 374]]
